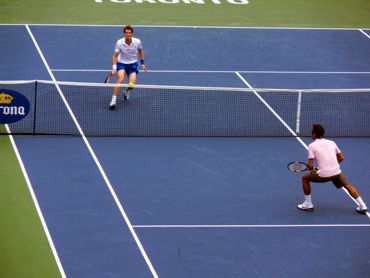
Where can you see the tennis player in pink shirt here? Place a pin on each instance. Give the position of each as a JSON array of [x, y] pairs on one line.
[[328, 156]]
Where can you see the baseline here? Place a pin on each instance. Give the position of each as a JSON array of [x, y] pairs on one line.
[[255, 226], [181, 26], [223, 71]]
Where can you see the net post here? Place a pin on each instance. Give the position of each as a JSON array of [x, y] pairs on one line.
[[298, 116], [34, 109]]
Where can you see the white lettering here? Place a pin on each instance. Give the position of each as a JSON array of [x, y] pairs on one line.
[[149, 1], [169, 1], [5, 110], [120, 1], [194, 1], [21, 111], [238, 2], [13, 110]]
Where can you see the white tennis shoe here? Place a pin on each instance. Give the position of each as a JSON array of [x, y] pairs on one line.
[[362, 210], [112, 104], [306, 206]]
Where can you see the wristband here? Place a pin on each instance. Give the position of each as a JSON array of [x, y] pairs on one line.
[[114, 67], [142, 61]]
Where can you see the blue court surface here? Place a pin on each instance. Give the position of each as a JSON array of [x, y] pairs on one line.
[[195, 206]]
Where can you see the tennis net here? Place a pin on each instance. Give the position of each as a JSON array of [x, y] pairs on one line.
[[69, 108]]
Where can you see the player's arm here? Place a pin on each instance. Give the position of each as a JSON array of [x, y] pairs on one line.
[[340, 157], [114, 62], [141, 56], [310, 164]]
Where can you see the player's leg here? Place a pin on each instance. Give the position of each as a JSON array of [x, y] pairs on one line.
[[354, 193], [307, 204], [116, 90], [341, 181], [352, 190], [306, 184], [131, 82]]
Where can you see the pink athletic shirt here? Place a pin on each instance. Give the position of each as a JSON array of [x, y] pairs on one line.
[[325, 152]]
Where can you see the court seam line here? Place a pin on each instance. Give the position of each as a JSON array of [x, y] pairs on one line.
[[255, 226], [223, 71], [99, 166], [363, 32], [187, 26], [287, 126], [36, 204]]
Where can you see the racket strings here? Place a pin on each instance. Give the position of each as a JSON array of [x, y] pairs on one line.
[[297, 166]]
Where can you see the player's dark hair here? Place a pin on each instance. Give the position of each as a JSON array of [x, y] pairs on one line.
[[318, 130], [128, 27]]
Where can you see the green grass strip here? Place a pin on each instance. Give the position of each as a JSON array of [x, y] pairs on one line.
[[3, 129], [268, 13], [24, 248]]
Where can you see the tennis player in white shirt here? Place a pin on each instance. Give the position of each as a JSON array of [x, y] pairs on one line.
[[328, 156], [125, 62]]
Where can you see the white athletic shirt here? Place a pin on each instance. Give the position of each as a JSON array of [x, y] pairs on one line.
[[127, 53], [325, 152]]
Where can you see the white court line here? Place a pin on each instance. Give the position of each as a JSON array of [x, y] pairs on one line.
[[287, 127], [99, 166], [185, 26], [223, 71], [363, 32], [36, 203], [254, 226], [272, 111]]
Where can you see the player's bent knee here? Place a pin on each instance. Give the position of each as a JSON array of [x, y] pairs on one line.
[[305, 178], [132, 78]]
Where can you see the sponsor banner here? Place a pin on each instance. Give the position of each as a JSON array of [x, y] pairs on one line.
[[13, 106]]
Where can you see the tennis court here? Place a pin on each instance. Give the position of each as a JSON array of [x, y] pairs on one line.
[[195, 206]]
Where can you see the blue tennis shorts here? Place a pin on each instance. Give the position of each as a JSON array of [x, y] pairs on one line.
[[128, 68]]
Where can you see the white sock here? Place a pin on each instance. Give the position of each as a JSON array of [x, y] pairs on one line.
[[113, 101], [361, 203], [307, 198]]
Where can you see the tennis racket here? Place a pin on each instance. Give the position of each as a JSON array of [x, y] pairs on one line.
[[108, 78], [297, 166]]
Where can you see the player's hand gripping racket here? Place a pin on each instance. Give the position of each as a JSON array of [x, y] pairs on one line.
[[297, 166]]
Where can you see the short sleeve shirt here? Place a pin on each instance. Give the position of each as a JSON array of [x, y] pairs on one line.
[[128, 53], [325, 152]]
